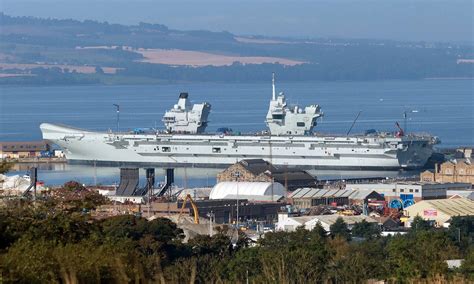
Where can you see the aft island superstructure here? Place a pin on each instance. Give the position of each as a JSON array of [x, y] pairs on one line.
[[290, 141]]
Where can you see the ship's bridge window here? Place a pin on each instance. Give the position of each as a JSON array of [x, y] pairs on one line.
[[300, 124], [166, 149], [216, 150], [277, 116]]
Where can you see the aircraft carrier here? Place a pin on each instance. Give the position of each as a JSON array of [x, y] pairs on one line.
[[289, 141]]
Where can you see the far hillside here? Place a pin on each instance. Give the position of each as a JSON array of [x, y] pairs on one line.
[[54, 51]]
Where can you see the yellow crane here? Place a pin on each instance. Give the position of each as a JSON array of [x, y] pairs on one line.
[[193, 205]]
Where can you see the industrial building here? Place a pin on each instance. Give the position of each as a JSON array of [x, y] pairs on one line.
[[17, 150], [309, 197], [469, 194], [253, 191], [411, 190], [226, 211], [457, 170], [258, 170], [440, 211], [289, 223]]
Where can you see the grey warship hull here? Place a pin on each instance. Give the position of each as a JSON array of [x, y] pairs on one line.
[[195, 150]]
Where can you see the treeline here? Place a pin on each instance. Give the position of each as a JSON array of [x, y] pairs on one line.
[[56, 240], [154, 73], [50, 76], [306, 72], [54, 41]]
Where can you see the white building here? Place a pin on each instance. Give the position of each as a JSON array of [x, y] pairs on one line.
[[289, 224], [252, 191]]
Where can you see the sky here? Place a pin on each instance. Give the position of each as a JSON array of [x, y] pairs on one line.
[[415, 20]]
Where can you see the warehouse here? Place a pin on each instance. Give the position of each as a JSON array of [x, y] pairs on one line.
[[309, 197], [411, 190], [253, 191], [259, 170], [225, 211], [440, 211], [16, 150]]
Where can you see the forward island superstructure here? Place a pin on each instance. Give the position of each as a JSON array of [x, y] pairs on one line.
[[290, 141]]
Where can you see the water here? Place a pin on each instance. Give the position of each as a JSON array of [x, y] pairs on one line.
[[444, 108]]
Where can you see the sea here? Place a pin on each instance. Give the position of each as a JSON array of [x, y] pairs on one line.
[[444, 108]]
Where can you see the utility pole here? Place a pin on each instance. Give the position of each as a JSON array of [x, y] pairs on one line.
[[211, 221], [34, 179], [95, 172], [237, 176], [118, 117]]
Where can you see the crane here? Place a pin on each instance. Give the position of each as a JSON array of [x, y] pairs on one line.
[[400, 131], [193, 205]]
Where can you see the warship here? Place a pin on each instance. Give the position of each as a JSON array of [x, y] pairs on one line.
[[289, 141]]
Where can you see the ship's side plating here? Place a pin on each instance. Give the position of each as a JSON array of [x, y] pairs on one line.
[[218, 150]]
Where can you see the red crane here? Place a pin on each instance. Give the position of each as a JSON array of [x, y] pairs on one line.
[[400, 131]]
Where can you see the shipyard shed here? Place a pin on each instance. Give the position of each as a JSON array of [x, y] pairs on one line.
[[309, 197], [259, 170], [16, 150], [253, 191], [440, 211], [410, 190], [225, 210]]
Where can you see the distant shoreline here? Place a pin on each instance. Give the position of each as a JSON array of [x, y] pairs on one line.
[[449, 78], [151, 81]]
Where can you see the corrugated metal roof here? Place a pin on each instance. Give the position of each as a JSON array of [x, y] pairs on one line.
[[360, 194], [320, 193], [342, 193], [331, 192], [300, 192], [350, 220], [453, 207], [308, 192]]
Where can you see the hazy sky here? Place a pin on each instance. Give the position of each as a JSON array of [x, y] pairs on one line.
[[431, 20]]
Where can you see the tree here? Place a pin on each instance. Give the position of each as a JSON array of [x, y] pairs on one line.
[[135, 228], [74, 197], [5, 166], [461, 230], [319, 230], [218, 245], [467, 267], [420, 224], [420, 255], [365, 230], [339, 228]]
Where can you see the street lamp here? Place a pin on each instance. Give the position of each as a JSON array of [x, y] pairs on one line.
[[211, 216], [118, 116]]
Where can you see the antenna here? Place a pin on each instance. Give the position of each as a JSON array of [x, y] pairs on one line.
[[118, 116], [353, 123], [273, 86]]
